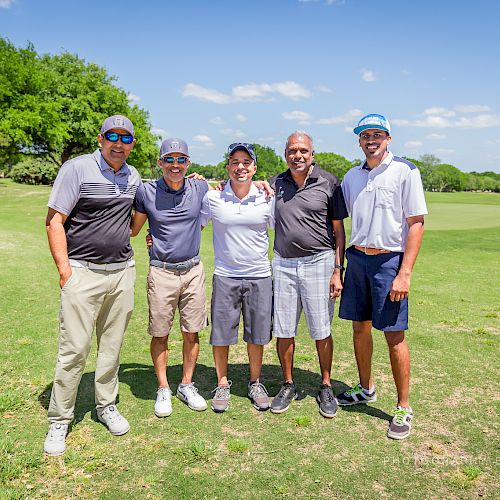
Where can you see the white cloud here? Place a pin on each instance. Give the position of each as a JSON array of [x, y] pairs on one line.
[[247, 92], [439, 111], [479, 121], [324, 88], [299, 116], [413, 144], [159, 131], [435, 136], [205, 140], [237, 134], [204, 94], [217, 120], [5, 4], [241, 118], [132, 97], [368, 75], [472, 108], [437, 121], [345, 118]]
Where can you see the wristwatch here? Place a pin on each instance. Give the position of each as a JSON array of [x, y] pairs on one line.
[[338, 266]]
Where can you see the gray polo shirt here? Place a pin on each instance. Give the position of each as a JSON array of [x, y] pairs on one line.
[[98, 202], [303, 216], [174, 218]]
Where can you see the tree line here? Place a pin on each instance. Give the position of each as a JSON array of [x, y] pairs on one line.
[[52, 105]]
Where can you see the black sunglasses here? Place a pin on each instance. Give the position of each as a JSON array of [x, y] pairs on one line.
[[172, 159], [114, 136]]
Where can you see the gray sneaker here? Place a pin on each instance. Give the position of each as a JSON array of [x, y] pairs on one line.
[[220, 401], [188, 394], [400, 425], [257, 393], [55, 442], [113, 420], [282, 400], [327, 403]]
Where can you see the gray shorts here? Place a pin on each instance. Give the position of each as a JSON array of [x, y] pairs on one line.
[[253, 297]]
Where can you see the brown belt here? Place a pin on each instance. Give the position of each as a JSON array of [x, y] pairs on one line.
[[371, 251]]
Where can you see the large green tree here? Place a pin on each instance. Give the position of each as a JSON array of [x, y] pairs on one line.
[[333, 163], [54, 106]]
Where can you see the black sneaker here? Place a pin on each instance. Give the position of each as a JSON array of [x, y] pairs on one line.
[[327, 402], [282, 400], [356, 395]]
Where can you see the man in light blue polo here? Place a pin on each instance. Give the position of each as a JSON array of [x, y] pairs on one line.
[[385, 198], [242, 283], [176, 277]]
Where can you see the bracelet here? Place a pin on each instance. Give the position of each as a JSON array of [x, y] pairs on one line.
[[339, 266]]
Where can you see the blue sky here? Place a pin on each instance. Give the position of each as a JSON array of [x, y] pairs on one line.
[[214, 72]]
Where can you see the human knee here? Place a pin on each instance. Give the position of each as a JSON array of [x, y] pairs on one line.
[[395, 339]]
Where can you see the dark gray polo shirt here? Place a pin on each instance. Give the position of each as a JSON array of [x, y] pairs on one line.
[[174, 218], [98, 202], [303, 216]]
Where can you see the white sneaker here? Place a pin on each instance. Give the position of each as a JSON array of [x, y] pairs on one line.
[[55, 442], [163, 403], [189, 394], [114, 421]]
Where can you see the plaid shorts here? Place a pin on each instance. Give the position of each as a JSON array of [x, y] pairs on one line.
[[303, 283]]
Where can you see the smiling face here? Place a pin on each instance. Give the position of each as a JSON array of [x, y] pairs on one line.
[[174, 172], [374, 144], [241, 167], [115, 153], [299, 155]]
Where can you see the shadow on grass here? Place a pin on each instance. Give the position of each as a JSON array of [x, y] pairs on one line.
[[367, 410], [142, 382]]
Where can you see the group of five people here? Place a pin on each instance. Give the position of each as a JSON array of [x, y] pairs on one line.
[[98, 201]]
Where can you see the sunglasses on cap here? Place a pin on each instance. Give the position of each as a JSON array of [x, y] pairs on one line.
[[242, 144], [114, 136], [172, 159]]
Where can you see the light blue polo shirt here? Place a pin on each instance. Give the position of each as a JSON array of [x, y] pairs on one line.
[[174, 218], [380, 200]]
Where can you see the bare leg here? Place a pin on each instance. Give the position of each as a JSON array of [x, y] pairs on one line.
[[255, 353], [221, 354], [159, 355], [286, 349], [190, 351], [363, 349], [324, 348], [399, 353]]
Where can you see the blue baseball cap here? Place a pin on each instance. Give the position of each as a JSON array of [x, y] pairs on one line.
[[378, 122]]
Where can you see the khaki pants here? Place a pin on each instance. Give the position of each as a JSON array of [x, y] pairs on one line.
[[104, 299]]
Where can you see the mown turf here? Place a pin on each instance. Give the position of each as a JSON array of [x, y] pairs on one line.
[[453, 450]]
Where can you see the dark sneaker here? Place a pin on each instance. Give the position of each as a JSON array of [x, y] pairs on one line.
[[401, 423], [282, 400], [258, 395], [220, 401], [327, 402], [356, 395]]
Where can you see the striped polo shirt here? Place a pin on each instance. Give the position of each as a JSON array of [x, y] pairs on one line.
[[98, 202]]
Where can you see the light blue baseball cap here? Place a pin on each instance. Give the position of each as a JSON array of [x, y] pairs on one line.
[[378, 122]]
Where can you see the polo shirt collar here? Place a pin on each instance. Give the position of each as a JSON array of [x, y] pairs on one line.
[[103, 165], [387, 161], [164, 186], [313, 175], [253, 191]]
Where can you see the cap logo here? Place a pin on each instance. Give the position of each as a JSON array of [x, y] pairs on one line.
[[119, 122], [174, 145]]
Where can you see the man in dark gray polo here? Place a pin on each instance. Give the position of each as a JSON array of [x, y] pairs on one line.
[[176, 279], [308, 260], [88, 227]]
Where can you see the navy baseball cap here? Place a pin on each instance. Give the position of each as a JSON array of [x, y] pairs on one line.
[[243, 146], [373, 121], [174, 145], [117, 121]]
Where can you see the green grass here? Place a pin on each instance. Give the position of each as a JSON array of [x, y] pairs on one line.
[[454, 338]]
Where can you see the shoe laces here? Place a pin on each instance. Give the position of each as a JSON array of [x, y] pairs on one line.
[[327, 394], [257, 390], [285, 389], [400, 415], [190, 390], [354, 390], [163, 393], [223, 391]]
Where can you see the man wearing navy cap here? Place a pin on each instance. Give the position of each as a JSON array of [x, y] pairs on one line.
[[385, 198], [242, 283], [176, 277], [88, 227]]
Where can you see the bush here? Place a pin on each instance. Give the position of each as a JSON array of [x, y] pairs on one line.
[[34, 171]]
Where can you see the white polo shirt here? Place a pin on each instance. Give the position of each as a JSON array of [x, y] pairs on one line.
[[380, 200], [239, 232]]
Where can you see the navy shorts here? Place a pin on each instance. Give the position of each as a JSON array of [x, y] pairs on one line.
[[233, 297], [367, 284]]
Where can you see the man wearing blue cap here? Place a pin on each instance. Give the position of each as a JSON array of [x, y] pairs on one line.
[[242, 283], [385, 198], [176, 277], [88, 227]]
